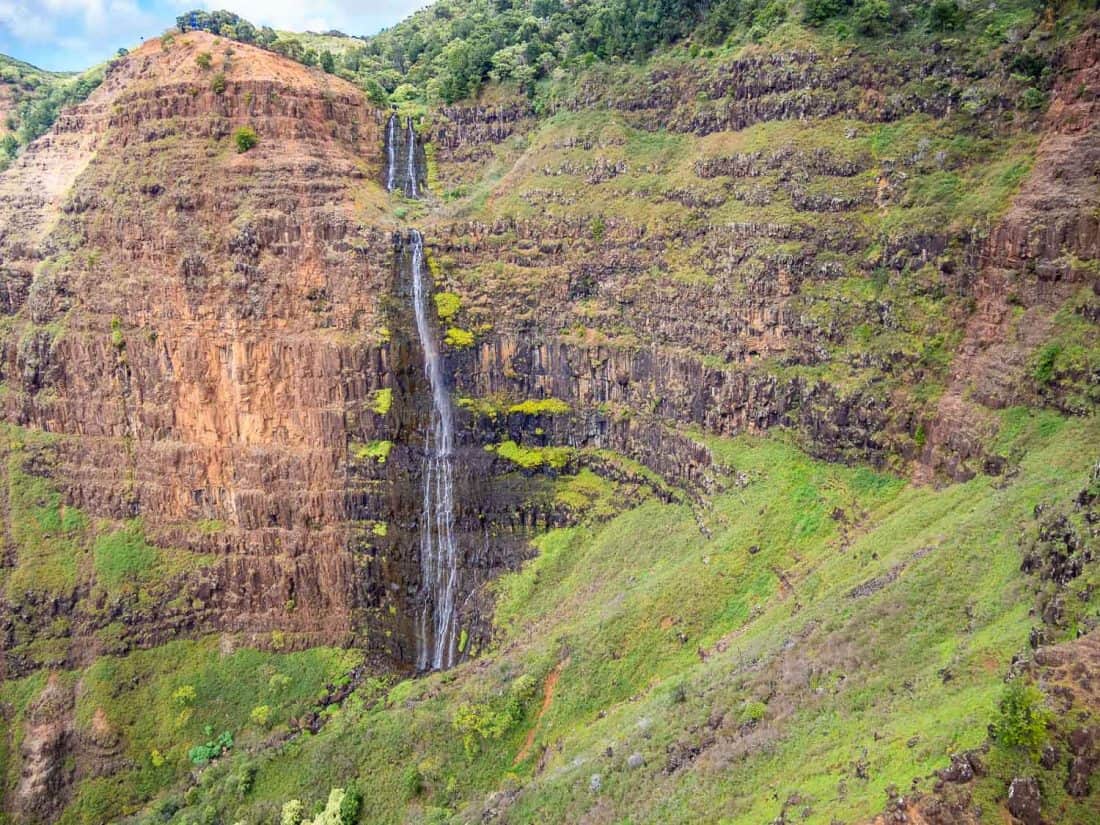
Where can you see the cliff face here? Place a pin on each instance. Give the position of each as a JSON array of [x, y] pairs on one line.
[[195, 325], [1036, 260], [208, 332], [210, 357]]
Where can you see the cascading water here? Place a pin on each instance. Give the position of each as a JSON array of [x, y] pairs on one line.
[[391, 150], [436, 638], [404, 159], [411, 188]]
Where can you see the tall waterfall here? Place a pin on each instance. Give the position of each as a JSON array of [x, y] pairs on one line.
[[391, 151], [436, 638], [405, 163]]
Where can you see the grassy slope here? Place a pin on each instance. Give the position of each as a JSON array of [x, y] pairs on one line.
[[808, 681]]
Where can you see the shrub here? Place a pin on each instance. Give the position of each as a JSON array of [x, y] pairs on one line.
[[446, 304], [944, 15], [212, 749], [293, 812], [753, 712], [871, 16], [379, 451], [1023, 718], [184, 695], [543, 406], [412, 782], [382, 401], [817, 12], [245, 138], [1045, 363], [597, 228], [459, 338], [203, 60], [217, 84], [260, 715], [1032, 98]]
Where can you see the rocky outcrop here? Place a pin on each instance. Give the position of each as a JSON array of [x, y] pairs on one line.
[[1034, 260]]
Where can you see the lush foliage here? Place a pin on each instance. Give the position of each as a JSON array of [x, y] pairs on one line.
[[245, 138], [1023, 718]]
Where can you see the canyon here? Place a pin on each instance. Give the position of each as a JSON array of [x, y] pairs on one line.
[[539, 442]]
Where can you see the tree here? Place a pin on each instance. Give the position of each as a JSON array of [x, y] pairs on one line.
[[9, 146], [871, 16], [328, 62], [1023, 718], [817, 12], [944, 15]]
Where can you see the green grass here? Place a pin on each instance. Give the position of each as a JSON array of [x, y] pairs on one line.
[[653, 628], [139, 697]]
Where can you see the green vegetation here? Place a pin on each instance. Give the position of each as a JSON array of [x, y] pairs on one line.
[[245, 138], [378, 451], [446, 305], [123, 556], [381, 401], [458, 338], [533, 458], [1023, 718], [746, 642], [541, 406], [38, 97]]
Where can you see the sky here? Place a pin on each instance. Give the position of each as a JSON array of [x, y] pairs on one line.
[[68, 35]]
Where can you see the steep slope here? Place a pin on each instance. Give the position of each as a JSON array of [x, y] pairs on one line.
[[709, 326], [189, 323]]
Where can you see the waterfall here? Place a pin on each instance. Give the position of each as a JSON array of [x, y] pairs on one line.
[[436, 640], [411, 188], [391, 160], [404, 159]]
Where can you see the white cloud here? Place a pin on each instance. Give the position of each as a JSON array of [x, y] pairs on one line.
[[320, 15], [74, 34], [40, 21]]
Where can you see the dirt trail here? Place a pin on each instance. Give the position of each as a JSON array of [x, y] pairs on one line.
[[547, 698]]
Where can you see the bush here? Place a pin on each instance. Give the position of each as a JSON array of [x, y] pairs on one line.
[[217, 84], [204, 60], [817, 12], [1023, 718], [944, 15], [260, 715], [1045, 362], [212, 749], [871, 16], [245, 138], [1032, 98]]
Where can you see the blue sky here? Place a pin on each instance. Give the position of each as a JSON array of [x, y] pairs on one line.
[[66, 35]]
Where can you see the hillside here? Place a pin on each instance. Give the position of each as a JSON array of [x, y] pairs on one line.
[[618, 411]]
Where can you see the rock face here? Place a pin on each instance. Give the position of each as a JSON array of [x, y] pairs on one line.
[[209, 334], [198, 326], [1033, 261]]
